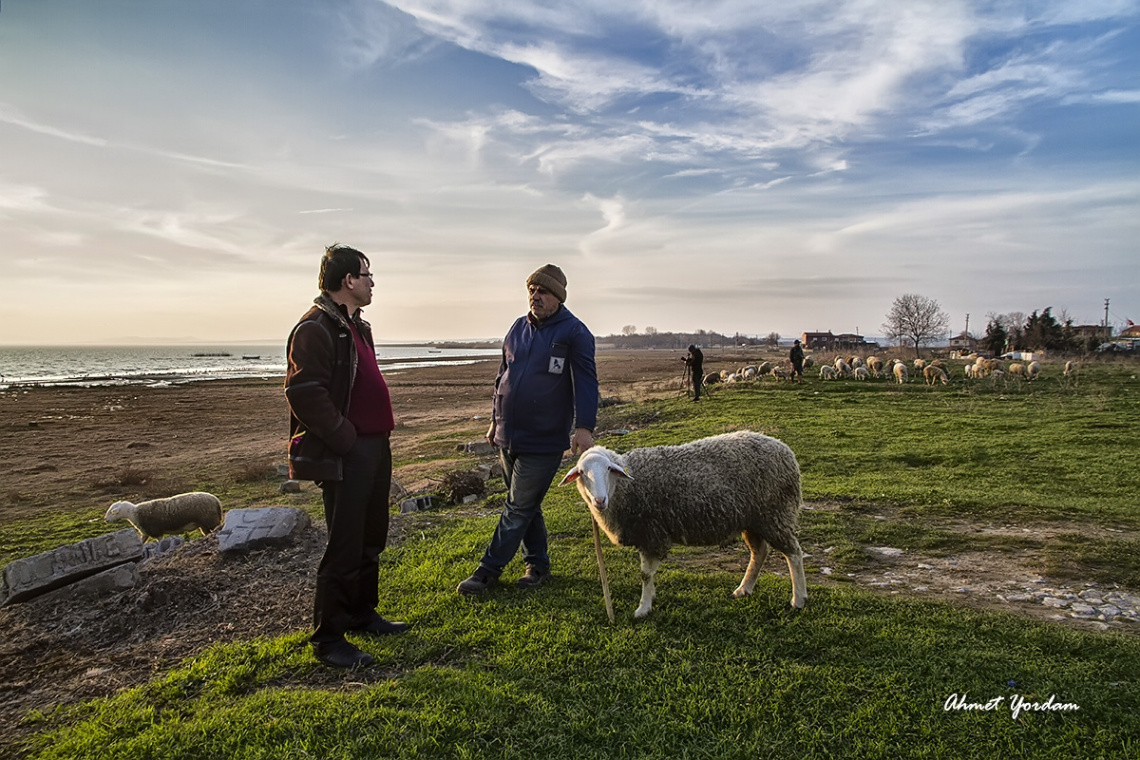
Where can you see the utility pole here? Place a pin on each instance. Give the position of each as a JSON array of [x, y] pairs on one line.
[[967, 333], [1107, 329]]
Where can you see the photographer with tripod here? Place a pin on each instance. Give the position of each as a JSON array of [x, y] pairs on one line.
[[694, 370]]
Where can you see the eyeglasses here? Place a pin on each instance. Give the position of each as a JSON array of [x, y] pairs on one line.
[[369, 275]]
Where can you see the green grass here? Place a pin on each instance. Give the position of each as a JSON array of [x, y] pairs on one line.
[[854, 675]]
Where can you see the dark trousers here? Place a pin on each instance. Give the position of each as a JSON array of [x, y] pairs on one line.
[[521, 522], [698, 380], [356, 512]]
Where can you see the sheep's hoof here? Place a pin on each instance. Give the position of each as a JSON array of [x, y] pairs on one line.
[[740, 592], [641, 612]]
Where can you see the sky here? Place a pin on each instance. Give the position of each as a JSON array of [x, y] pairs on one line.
[[172, 171]]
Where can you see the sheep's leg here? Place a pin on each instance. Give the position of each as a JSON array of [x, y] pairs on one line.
[[796, 570], [759, 548], [649, 567]]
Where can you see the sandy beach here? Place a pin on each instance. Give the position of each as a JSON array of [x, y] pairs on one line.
[[69, 448]]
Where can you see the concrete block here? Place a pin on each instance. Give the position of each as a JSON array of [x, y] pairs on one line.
[[479, 447], [250, 529], [28, 578], [418, 504], [117, 579]]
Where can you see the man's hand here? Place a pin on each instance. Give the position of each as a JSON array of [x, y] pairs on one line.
[[581, 440], [491, 433]]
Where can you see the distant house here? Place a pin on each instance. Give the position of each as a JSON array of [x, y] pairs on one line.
[[1130, 332], [1092, 332], [827, 341], [964, 343]]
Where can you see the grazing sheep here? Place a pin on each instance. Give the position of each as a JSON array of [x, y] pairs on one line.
[[938, 363], [712, 378], [1070, 368], [875, 364], [862, 373], [900, 373], [808, 362], [933, 374], [920, 364], [749, 372], [697, 494], [183, 513], [1017, 370], [975, 371], [1033, 370], [764, 368], [827, 372], [842, 368], [782, 373]]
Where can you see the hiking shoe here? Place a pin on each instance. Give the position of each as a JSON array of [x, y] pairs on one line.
[[533, 578], [479, 582], [341, 654]]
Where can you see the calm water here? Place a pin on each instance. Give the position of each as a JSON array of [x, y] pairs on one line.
[[163, 365]]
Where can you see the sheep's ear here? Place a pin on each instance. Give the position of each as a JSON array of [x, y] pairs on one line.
[[617, 468], [570, 476]]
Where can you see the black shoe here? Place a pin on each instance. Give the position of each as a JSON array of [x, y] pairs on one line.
[[533, 578], [341, 654], [479, 582], [381, 627]]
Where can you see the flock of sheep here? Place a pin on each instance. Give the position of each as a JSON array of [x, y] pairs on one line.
[[932, 372]]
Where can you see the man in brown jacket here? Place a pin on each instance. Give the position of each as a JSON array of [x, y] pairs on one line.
[[339, 426]]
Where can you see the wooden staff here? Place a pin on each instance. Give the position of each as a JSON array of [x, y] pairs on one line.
[[602, 570]]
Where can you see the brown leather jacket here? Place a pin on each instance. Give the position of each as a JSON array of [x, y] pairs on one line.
[[318, 386]]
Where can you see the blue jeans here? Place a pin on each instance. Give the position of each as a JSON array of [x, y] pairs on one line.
[[356, 512], [528, 478]]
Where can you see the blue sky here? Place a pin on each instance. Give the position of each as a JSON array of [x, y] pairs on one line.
[[173, 170]]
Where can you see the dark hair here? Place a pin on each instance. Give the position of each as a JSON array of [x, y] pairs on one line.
[[338, 261]]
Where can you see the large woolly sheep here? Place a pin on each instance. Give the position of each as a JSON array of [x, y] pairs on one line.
[[862, 373], [875, 364], [183, 513], [827, 372], [934, 374], [900, 373], [698, 494], [1032, 370]]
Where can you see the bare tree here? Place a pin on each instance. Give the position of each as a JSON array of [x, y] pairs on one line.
[[916, 319], [773, 339], [629, 330]]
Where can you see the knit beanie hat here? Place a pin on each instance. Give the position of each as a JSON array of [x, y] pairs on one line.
[[551, 278]]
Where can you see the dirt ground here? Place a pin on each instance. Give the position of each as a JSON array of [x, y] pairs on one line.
[[76, 449]]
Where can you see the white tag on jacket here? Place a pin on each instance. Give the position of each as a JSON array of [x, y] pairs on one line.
[[557, 364]]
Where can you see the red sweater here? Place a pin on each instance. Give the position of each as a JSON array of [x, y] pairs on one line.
[[370, 408]]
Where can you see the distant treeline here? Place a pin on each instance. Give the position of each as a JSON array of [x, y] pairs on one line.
[[654, 339]]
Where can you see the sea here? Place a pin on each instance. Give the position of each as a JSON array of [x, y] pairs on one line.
[[22, 366]]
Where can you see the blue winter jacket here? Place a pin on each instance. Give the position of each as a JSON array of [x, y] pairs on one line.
[[547, 384]]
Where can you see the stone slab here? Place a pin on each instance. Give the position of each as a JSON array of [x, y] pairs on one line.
[[249, 529], [28, 578]]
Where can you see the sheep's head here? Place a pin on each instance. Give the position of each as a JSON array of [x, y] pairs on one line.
[[118, 511], [595, 474]]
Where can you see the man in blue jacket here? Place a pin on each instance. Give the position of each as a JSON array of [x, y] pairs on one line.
[[546, 401]]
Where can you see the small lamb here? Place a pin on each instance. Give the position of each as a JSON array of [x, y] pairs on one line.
[[697, 494], [183, 513]]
